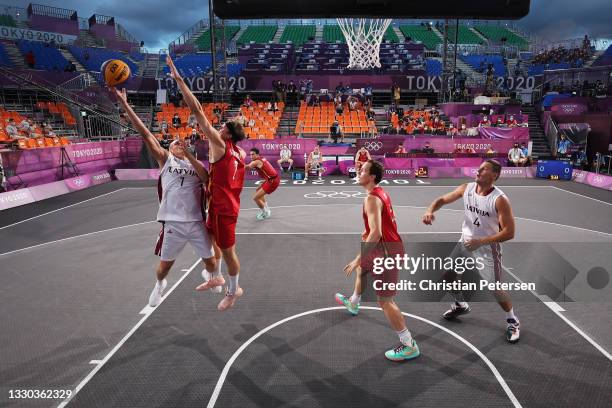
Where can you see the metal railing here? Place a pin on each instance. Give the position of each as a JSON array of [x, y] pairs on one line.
[[56, 12], [125, 34]]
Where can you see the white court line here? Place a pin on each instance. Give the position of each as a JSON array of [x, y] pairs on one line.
[[557, 309], [230, 362], [95, 361], [62, 208], [76, 236], [516, 218], [124, 339], [581, 195]]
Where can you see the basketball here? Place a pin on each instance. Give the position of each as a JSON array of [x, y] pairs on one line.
[[115, 72]]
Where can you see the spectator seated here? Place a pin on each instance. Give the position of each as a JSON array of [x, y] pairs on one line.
[[46, 56]]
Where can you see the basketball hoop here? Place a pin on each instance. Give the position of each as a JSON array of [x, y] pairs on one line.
[[363, 37]]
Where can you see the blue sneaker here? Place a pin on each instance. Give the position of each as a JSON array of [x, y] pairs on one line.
[[344, 301], [401, 352]]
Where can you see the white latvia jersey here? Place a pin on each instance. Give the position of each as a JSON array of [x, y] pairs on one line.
[[181, 192], [480, 216]]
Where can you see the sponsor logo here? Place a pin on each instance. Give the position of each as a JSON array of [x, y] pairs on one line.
[[78, 181], [336, 194]]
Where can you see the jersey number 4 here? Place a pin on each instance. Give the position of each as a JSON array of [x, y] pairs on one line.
[[476, 222]]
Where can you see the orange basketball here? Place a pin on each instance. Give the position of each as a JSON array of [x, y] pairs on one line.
[[115, 72]]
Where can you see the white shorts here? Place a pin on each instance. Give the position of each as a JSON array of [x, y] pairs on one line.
[[490, 255], [177, 234]]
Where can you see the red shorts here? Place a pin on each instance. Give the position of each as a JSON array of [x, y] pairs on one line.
[[379, 281], [222, 228], [388, 276], [269, 186]]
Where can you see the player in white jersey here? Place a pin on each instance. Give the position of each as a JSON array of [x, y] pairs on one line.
[[181, 198], [487, 221]]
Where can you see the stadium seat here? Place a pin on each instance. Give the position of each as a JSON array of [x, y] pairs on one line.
[[203, 41], [497, 34], [257, 34], [46, 56], [5, 60], [298, 34], [97, 56], [421, 34]]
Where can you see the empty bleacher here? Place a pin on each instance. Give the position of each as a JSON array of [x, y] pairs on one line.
[[203, 41], [497, 34], [466, 36], [480, 62], [298, 34], [318, 119], [421, 34], [333, 33], [5, 60], [97, 56], [257, 34], [46, 56], [7, 21]]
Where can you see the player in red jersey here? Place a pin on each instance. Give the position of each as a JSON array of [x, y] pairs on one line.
[[226, 179], [361, 157], [270, 184], [380, 239]]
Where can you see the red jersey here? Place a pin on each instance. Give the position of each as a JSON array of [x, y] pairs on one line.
[[225, 183], [266, 171], [389, 227], [363, 157]]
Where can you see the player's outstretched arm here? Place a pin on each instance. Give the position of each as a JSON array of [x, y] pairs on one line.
[[194, 105], [197, 165], [428, 217], [158, 152], [255, 164]]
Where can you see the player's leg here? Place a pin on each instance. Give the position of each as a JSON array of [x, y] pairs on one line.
[[492, 272], [173, 242], [352, 303], [202, 244], [280, 164], [259, 199], [408, 348], [459, 306], [290, 164], [307, 168], [269, 187], [226, 239]]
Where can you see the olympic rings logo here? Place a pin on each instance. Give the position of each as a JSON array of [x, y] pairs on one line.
[[336, 194], [598, 179], [373, 145]]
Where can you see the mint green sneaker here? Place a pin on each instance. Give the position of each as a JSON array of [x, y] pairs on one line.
[[402, 352], [260, 215], [344, 301]]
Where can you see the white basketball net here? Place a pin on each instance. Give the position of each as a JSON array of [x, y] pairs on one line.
[[363, 37]]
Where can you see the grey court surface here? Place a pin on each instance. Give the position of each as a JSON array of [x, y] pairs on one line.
[[77, 271]]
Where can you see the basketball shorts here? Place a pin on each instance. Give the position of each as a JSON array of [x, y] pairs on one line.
[[269, 186], [175, 235], [490, 257], [222, 228]]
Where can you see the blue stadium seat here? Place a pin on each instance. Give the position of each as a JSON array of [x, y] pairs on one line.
[[481, 62], [46, 56], [4, 57], [433, 67], [190, 65], [97, 56]]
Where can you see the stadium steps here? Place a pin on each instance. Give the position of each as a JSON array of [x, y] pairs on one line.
[[145, 113], [279, 34], [286, 125], [399, 33], [541, 147], [85, 39], [596, 55], [22, 24], [150, 64], [14, 54], [319, 32], [479, 35], [240, 32], [437, 32], [80, 68], [197, 35]]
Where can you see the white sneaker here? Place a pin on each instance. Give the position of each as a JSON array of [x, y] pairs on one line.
[[208, 276], [267, 213], [157, 293]]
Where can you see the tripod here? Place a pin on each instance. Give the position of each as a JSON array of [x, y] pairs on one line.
[[66, 162]]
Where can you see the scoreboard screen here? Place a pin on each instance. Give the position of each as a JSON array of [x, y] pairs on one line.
[[555, 169]]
